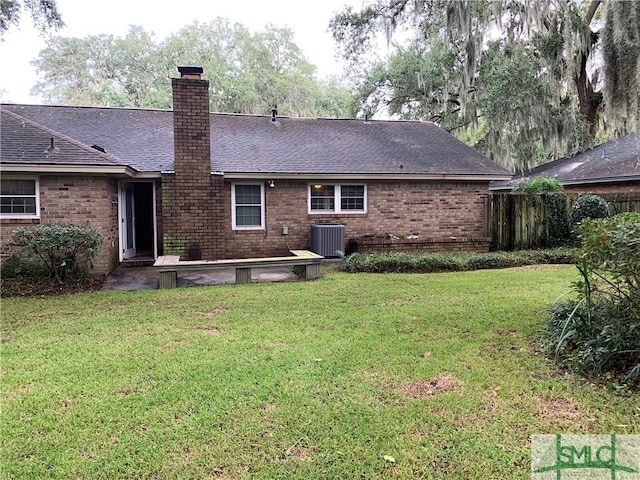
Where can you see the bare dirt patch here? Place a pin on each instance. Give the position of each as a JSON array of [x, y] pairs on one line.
[[300, 454], [428, 388], [559, 408]]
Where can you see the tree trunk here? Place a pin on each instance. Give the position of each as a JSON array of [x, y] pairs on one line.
[[588, 100]]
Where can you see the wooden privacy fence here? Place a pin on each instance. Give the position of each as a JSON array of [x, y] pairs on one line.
[[521, 220]]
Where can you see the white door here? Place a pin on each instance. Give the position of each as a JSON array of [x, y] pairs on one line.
[[128, 231]]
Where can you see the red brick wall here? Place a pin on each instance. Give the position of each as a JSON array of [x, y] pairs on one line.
[[80, 200], [432, 210], [192, 213], [598, 188]]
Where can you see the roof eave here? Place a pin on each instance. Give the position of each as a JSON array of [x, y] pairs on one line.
[[40, 168], [363, 176], [590, 181], [631, 178]]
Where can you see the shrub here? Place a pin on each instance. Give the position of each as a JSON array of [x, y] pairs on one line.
[[538, 185], [421, 262], [63, 253], [598, 330], [588, 206], [594, 338], [611, 250], [17, 265], [557, 220]]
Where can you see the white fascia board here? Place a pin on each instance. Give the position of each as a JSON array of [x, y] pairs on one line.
[[43, 169]]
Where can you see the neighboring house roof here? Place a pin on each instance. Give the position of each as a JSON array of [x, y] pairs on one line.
[[614, 161], [254, 145]]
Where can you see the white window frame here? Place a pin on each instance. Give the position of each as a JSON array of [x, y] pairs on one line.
[[233, 207], [36, 181], [337, 198]]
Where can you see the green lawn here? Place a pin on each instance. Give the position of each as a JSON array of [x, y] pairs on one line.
[[350, 376]]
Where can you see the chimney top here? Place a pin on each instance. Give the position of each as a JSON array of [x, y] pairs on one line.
[[193, 73]]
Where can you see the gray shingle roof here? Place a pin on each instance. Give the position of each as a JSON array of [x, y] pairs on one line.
[[23, 141], [614, 161], [142, 139], [317, 146], [254, 144]]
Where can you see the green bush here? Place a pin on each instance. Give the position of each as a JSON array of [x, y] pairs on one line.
[[538, 185], [63, 253], [588, 206], [611, 250], [557, 220], [18, 265], [594, 339], [597, 331], [420, 262]]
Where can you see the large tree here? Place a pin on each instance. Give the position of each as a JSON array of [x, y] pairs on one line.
[[249, 73], [525, 74], [621, 49], [44, 14]]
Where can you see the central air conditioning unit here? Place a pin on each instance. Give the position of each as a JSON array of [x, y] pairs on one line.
[[327, 240]]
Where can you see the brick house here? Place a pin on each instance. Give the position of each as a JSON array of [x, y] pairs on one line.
[[211, 185]]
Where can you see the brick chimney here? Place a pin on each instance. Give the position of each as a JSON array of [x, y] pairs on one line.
[[191, 129], [192, 202]]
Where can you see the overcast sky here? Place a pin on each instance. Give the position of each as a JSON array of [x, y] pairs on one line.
[[309, 19]]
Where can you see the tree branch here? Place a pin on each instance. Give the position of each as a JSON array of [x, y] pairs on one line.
[[592, 11]]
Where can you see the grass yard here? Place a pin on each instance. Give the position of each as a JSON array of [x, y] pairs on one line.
[[350, 376]]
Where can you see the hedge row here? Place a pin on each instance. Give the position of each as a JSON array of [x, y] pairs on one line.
[[401, 262]]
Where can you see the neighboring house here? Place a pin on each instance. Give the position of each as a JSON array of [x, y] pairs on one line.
[[208, 185], [612, 167]]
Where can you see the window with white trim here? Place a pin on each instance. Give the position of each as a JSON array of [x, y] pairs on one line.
[[247, 205], [337, 198], [19, 198]]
